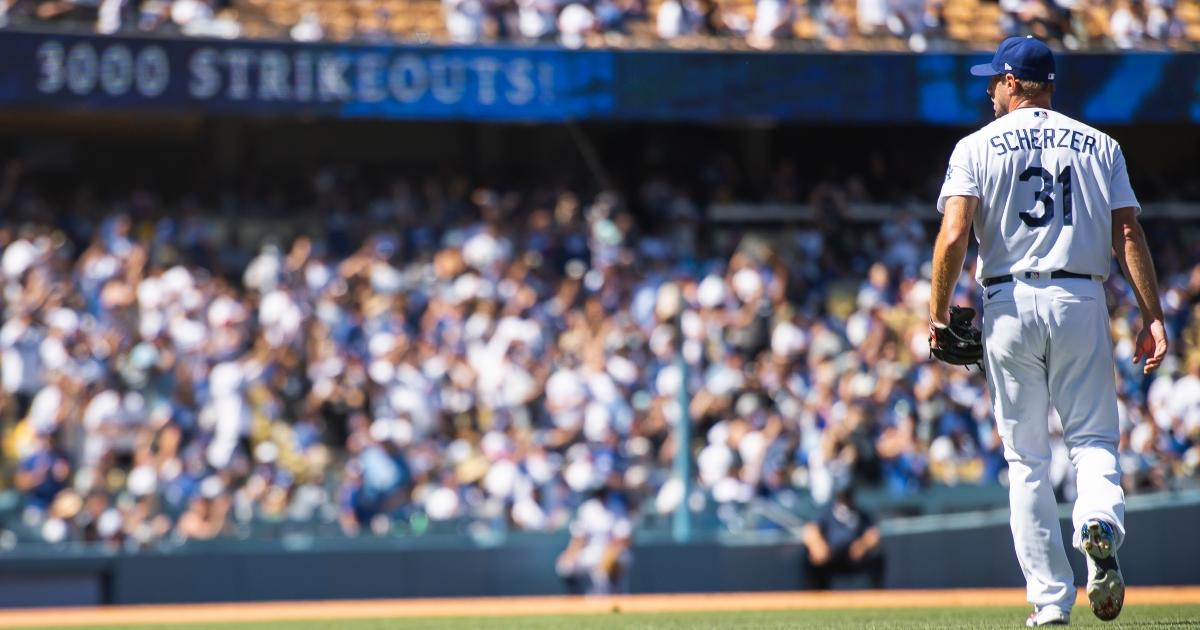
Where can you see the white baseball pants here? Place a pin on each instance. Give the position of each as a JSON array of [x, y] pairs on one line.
[[1047, 342]]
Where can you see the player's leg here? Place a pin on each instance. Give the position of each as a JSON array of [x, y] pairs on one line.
[[1014, 343], [818, 576], [1083, 389], [874, 565], [601, 581]]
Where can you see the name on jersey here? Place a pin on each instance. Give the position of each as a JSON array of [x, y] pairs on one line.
[[1043, 138]]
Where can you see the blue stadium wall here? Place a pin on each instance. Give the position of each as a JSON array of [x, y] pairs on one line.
[[87, 73], [939, 553]]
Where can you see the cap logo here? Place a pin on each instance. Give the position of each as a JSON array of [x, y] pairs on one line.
[[1050, 77], [1007, 67]]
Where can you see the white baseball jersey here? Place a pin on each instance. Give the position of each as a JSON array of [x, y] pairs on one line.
[[1047, 186]]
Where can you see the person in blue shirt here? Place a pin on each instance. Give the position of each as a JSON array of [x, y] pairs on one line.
[[42, 473], [844, 540]]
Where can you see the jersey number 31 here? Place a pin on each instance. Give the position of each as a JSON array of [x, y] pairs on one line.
[[1045, 195]]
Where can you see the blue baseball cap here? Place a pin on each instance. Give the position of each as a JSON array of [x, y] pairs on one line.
[[1023, 57]]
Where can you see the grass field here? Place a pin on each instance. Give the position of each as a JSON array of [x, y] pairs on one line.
[[1187, 616]]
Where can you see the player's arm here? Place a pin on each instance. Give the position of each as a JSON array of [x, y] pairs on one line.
[[865, 544], [815, 543], [1129, 246], [949, 252], [566, 559]]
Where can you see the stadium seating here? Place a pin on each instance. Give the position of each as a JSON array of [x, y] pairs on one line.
[[832, 24]]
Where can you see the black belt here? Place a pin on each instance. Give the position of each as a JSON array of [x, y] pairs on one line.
[[1032, 275]]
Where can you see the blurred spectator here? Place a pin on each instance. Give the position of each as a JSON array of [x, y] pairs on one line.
[[773, 20], [575, 22], [109, 16], [872, 17], [599, 554], [678, 18], [1128, 26], [620, 17], [835, 25], [308, 28], [464, 20], [844, 541], [715, 21], [205, 517], [536, 19], [1163, 23], [42, 473], [502, 16], [1044, 20], [930, 28]]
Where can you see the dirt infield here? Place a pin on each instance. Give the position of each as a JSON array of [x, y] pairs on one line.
[[507, 606]]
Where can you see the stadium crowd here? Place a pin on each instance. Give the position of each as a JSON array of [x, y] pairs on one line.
[[835, 24], [440, 353]]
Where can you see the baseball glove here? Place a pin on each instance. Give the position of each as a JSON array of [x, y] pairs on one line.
[[959, 343]]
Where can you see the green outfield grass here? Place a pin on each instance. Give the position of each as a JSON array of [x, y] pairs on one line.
[[883, 619]]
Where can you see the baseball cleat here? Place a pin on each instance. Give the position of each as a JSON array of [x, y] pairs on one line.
[[1105, 587], [1048, 616]]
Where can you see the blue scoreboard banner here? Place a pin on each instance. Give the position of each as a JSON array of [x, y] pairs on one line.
[[96, 73], [53, 71]]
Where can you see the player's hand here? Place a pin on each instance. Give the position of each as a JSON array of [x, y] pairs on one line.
[[857, 550], [818, 554], [934, 324], [566, 561], [1151, 345]]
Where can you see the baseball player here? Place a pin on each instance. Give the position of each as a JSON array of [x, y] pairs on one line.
[[1051, 202]]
